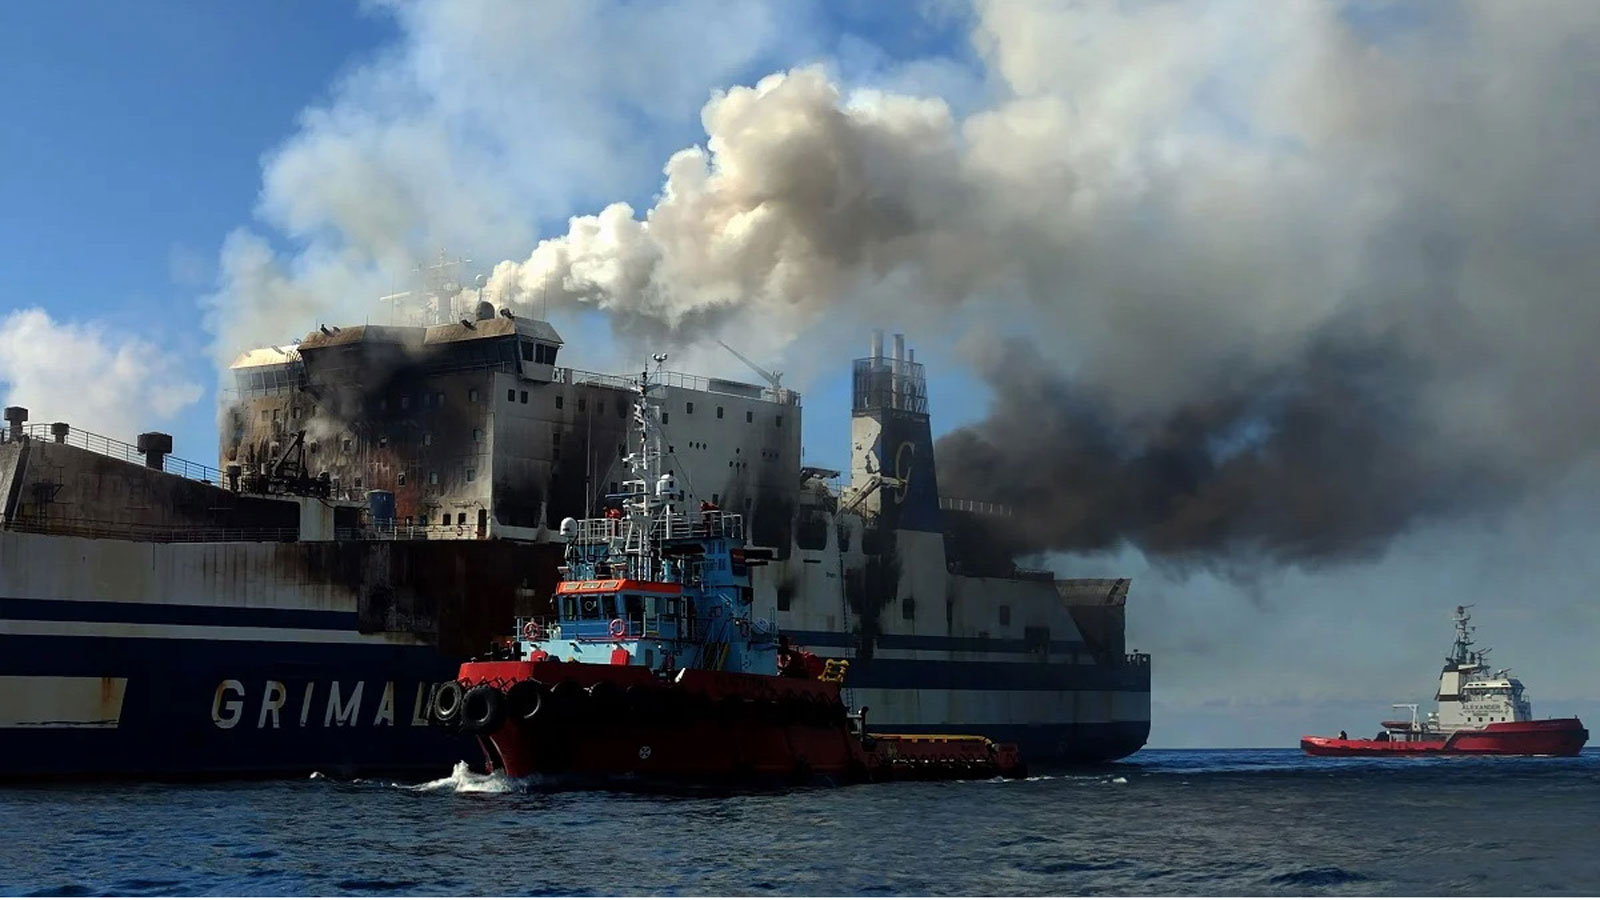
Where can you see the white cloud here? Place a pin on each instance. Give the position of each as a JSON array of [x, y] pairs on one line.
[[81, 374]]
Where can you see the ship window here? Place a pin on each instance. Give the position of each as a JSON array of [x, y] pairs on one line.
[[784, 597], [433, 477], [635, 606], [401, 478], [275, 415], [687, 408], [591, 607], [383, 441], [527, 351], [477, 435], [749, 416], [524, 396], [427, 440], [294, 413], [461, 518], [472, 395], [471, 474], [583, 403], [347, 444], [511, 395], [780, 422], [558, 401], [1005, 615], [622, 410], [444, 519], [908, 608], [663, 418], [719, 412]]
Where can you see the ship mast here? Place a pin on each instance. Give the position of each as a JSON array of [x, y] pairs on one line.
[[1461, 653]]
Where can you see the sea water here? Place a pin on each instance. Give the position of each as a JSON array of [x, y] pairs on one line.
[[1162, 822]]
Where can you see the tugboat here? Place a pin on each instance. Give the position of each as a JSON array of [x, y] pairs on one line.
[[658, 668], [1480, 713]]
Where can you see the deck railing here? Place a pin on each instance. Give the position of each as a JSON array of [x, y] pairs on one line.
[[115, 449]]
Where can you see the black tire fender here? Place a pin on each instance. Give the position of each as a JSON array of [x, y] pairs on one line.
[[483, 710]]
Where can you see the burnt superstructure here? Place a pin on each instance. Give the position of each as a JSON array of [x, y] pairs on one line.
[[388, 496]]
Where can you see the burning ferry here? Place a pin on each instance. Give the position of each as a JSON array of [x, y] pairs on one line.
[[389, 497]]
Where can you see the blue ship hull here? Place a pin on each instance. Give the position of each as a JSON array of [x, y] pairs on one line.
[[198, 692]]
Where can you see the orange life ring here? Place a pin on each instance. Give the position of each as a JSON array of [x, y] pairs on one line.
[[618, 628], [532, 631]]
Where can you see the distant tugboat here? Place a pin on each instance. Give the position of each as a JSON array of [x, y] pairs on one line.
[[1480, 713], [655, 667]]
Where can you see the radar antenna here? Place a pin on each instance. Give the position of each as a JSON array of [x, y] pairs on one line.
[[772, 378]]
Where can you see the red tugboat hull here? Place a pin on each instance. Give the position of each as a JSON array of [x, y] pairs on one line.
[[707, 727], [1540, 737]]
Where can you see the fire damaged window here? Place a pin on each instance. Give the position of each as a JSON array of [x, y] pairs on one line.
[[472, 474], [477, 435], [1005, 615], [433, 477], [401, 478]]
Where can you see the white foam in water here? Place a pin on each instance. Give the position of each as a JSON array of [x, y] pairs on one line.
[[462, 780], [1119, 780]]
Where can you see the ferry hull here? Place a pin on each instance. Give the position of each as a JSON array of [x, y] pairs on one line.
[[1541, 737]]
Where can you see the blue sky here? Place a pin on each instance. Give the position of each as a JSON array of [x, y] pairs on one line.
[[133, 142], [136, 134]]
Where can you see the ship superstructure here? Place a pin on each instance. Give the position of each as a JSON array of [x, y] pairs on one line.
[[388, 497]]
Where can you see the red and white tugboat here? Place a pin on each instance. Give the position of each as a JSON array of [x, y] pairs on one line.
[[656, 667], [1480, 713]]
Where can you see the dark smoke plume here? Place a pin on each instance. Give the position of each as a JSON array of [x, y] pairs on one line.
[[1323, 459]]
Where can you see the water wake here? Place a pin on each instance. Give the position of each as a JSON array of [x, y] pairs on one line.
[[462, 780]]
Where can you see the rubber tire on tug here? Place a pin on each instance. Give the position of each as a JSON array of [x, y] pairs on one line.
[[567, 701], [445, 706], [525, 700], [605, 698], [483, 710]]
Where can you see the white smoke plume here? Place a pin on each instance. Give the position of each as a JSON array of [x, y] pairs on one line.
[[1347, 246], [81, 374], [485, 117]]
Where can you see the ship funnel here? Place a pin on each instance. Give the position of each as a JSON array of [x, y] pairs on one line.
[[16, 417], [59, 431], [877, 346]]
